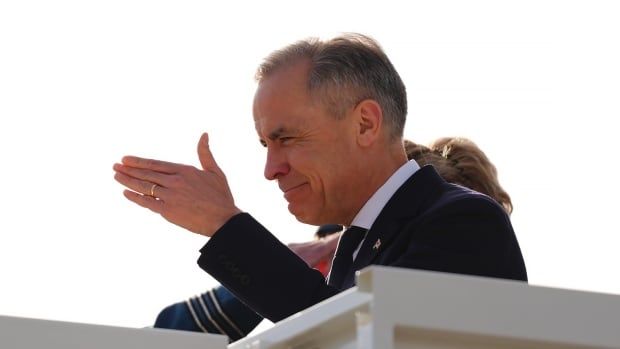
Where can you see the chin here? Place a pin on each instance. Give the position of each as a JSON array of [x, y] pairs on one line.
[[303, 218], [312, 220], [302, 215]]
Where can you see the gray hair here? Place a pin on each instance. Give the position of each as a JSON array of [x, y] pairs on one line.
[[344, 71]]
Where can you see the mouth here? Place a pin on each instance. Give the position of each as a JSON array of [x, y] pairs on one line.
[[286, 190], [290, 191]]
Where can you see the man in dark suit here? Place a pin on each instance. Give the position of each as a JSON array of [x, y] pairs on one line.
[[331, 116]]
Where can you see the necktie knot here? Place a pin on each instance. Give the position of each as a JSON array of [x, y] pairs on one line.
[[350, 240]]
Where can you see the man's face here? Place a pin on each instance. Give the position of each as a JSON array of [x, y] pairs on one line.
[[310, 153]]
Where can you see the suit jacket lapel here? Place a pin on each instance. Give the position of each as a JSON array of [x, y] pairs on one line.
[[403, 206]]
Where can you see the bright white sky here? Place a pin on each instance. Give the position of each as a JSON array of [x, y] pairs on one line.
[[82, 83]]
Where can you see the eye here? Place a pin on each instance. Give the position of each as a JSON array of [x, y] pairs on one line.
[[263, 143], [285, 140]]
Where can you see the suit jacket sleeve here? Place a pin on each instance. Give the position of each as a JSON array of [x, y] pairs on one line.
[[261, 271]]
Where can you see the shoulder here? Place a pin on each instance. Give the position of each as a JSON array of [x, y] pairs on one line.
[[426, 197], [466, 232], [459, 219], [456, 197]]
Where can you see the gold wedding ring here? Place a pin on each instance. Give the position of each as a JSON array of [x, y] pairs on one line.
[[153, 190]]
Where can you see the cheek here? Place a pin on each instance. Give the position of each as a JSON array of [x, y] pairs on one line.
[[325, 169], [311, 167], [338, 182]]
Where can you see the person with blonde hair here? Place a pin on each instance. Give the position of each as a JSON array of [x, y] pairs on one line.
[[458, 160]]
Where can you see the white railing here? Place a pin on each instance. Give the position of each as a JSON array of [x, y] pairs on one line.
[[402, 308], [390, 308], [23, 333]]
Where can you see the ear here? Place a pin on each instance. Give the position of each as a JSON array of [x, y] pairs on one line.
[[370, 121]]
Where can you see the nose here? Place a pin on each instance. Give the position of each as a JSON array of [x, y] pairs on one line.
[[276, 164]]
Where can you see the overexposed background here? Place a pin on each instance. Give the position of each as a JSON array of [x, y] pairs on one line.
[[82, 83]]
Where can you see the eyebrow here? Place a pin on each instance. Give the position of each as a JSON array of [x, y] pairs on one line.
[[277, 133], [283, 131]]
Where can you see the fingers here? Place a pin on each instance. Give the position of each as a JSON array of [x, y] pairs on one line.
[[143, 187], [151, 164], [143, 174], [145, 201], [206, 157]]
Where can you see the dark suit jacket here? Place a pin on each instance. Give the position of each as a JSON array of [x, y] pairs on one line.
[[427, 224]]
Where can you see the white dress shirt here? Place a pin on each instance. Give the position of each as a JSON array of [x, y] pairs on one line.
[[366, 217]]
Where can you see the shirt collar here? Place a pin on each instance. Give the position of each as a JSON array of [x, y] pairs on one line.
[[370, 211]]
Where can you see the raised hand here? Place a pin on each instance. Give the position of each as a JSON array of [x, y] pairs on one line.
[[197, 200]]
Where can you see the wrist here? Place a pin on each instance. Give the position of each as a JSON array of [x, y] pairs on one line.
[[214, 227]]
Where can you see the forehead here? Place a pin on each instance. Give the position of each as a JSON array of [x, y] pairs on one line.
[[282, 100]]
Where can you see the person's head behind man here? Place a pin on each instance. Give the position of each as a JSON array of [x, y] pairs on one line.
[[331, 114]]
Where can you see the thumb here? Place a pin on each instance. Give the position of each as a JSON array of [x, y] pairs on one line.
[[206, 157]]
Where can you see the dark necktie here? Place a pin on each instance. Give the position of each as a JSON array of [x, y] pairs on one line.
[[343, 260]]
